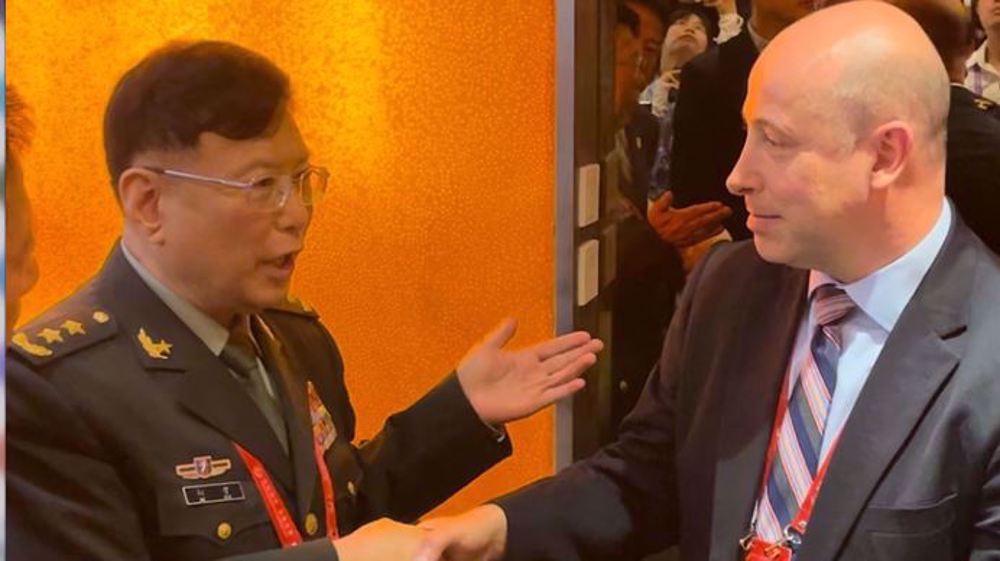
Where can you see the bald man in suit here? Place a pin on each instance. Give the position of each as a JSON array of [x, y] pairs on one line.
[[847, 355]]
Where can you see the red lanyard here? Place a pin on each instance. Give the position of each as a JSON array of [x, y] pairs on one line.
[[281, 520], [801, 519]]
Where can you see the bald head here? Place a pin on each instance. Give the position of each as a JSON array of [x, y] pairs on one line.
[[948, 24], [843, 167], [858, 65]]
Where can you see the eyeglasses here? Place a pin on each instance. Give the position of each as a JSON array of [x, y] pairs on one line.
[[269, 192]]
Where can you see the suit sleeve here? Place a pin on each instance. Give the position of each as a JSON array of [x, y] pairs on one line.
[[65, 498], [622, 502]]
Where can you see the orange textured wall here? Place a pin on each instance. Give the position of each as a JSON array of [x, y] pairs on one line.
[[437, 119]]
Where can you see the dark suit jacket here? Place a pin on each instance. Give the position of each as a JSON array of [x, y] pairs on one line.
[[973, 176], [96, 429], [916, 475], [708, 128], [649, 275], [642, 134]]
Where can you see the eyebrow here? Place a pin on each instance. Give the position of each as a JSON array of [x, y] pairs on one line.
[[763, 122], [267, 164]]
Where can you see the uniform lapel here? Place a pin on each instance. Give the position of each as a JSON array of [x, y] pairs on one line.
[[765, 335], [206, 388], [295, 407], [919, 357]]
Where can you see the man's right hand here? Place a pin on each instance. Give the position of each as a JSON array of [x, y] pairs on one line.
[[477, 535], [683, 227], [380, 540]]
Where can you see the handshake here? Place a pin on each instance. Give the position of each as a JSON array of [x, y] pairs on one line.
[[477, 535]]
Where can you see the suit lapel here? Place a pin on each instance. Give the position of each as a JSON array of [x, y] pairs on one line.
[[206, 388], [765, 334], [295, 406], [919, 357]]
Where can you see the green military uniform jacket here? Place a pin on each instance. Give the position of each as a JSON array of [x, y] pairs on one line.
[[122, 424]]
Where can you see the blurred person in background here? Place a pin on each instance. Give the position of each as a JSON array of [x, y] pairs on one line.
[[983, 65], [21, 267]]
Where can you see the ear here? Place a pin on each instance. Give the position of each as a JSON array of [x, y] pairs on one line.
[[140, 193], [892, 146]]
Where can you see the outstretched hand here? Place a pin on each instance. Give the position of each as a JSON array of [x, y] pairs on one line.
[[504, 385]]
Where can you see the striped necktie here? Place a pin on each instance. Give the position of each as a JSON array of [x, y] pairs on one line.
[[801, 433]]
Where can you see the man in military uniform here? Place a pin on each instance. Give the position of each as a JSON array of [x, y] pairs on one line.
[[179, 405]]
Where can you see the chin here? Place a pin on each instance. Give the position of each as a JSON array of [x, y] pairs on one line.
[[772, 251], [268, 297]]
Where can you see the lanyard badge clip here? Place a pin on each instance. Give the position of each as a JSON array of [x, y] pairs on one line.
[[793, 536]]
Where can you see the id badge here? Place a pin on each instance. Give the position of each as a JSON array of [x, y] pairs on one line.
[[761, 550]]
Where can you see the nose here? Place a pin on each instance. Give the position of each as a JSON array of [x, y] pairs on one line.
[[295, 216], [742, 180]]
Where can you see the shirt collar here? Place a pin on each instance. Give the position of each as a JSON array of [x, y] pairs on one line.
[[884, 294], [207, 329], [978, 60]]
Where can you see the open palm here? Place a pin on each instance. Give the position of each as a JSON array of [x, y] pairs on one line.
[[504, 385]]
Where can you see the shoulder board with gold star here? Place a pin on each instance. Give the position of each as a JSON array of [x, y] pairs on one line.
[[56, 335], [293, 305]]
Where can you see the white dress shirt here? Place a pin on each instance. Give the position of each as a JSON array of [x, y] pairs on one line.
[[881, 298]]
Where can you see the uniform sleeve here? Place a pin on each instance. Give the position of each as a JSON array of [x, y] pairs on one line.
[[426, 453]]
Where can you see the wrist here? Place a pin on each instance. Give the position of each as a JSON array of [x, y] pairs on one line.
[[494, 425], [493, 517]]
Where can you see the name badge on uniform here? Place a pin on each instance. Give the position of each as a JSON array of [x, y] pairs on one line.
[[324, 431], [211, 493]]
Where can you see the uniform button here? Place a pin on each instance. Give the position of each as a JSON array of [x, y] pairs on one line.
[[224, 530], [351, 489], [623, 386], [312, 524]]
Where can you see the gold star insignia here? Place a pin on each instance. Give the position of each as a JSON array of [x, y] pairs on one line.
[[73, 327], [101, 317], [155, 350], [21, 340], [51, 335]]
